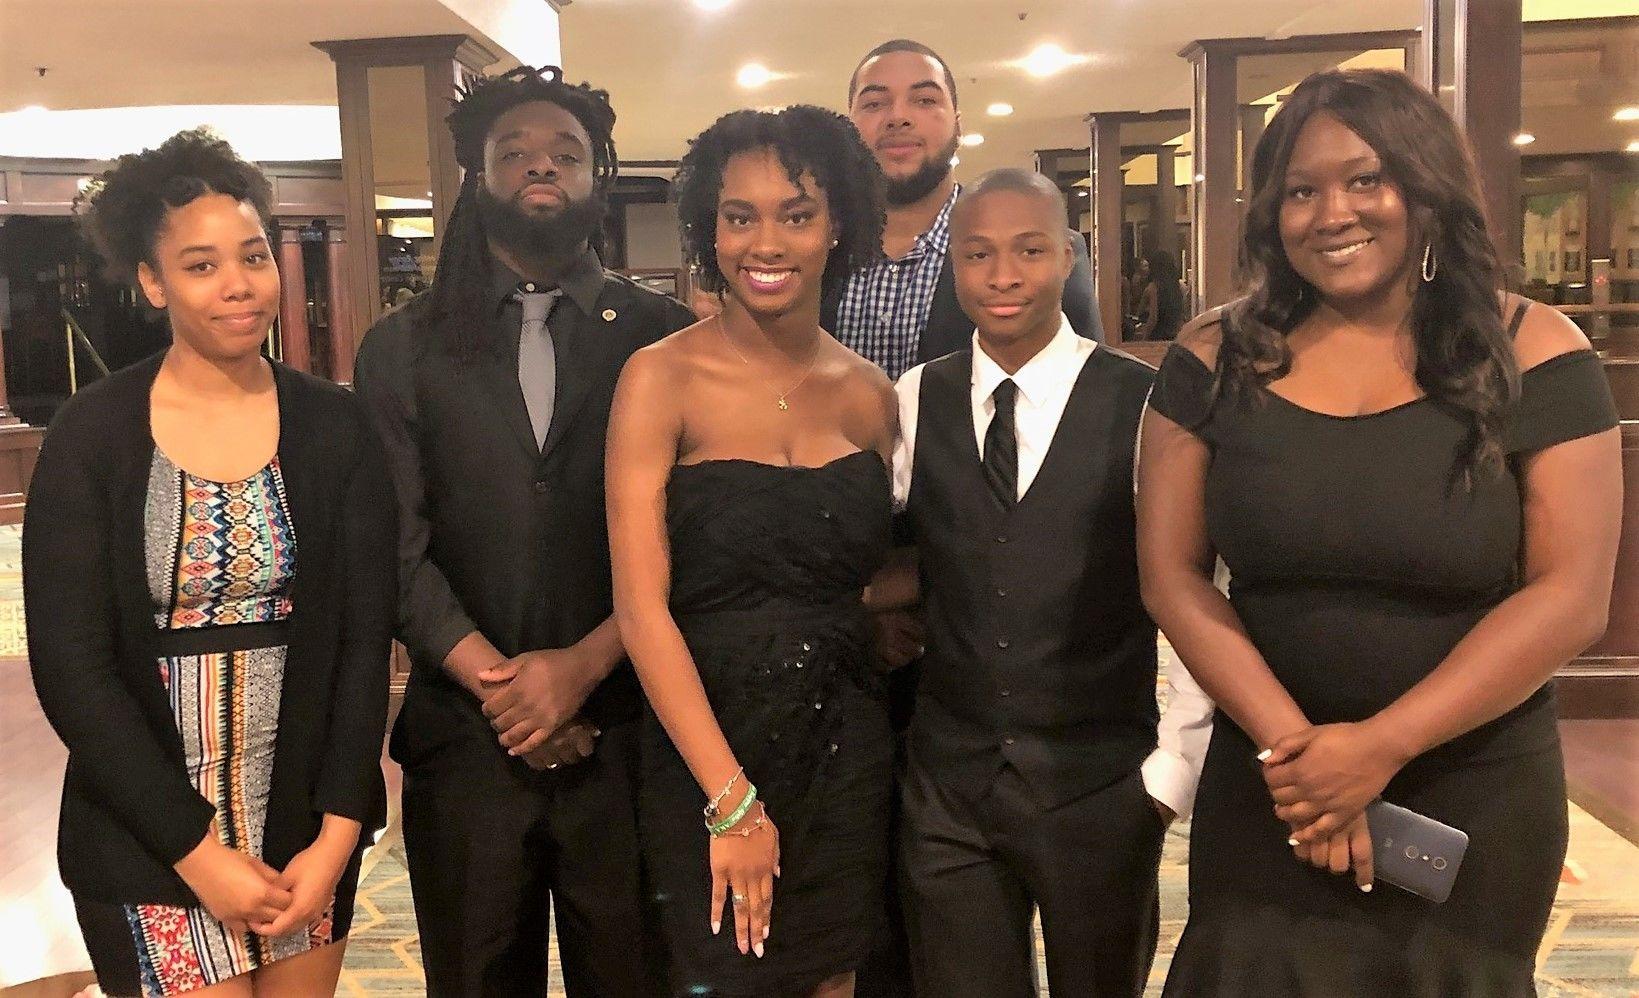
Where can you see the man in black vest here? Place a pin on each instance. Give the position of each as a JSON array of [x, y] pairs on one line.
[[902, 310], [1033, 746], [491, 393]]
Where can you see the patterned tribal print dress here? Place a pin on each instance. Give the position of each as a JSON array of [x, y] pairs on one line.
[[220, 555]]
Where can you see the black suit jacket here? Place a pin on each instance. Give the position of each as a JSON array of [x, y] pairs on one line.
[[496, 535], [949, 329], [129, 810]]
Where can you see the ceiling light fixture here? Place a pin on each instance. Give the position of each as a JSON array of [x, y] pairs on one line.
[[1626, 114], [973, 139], [1048, 59], [753, 75], [1524, 139], [1000, 109]]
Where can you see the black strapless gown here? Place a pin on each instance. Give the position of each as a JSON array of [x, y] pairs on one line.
[[767, 567]]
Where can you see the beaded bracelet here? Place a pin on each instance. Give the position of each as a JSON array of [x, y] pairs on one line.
[[734, 816], [717, 802]]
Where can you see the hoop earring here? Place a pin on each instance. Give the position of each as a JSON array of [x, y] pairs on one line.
[[1431, 265]]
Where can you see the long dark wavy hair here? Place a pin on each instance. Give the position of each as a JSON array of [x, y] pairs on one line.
[[457, 300], [1465, 360]]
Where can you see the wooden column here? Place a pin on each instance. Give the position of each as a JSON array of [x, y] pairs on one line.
[[1215, 120], [1166, 200], [442, 60], [1107, 219], [294, 346], [439, 77], [355, 282], [1471, 60], [344, 333], [1251, 125]]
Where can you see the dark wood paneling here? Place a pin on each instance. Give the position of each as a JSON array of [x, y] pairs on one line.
[[19, 448]]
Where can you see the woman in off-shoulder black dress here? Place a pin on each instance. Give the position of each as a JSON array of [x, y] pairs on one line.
[[749, 505], [1418, 535]]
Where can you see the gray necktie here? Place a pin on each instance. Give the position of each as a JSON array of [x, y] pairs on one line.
[[537, 360]]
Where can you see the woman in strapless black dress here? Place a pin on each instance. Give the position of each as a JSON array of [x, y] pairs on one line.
[[1415, 484], [749, 505]]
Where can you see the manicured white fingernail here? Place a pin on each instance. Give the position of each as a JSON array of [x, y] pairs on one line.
[[1291, 842], [1366, 888], [1265, 754], [716, 927], [758, 949], [765, 932]]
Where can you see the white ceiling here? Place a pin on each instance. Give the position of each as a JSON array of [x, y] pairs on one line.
[[669, 66]]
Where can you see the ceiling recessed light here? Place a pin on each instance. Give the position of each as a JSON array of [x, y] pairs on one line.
[[1200, 178], [712, 6], [1081, 193], [753, 75], [1047, 59], [973, 139], [1626, 114], [1000, 109], [1524, 139]]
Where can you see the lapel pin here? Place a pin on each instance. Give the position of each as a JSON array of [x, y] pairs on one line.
[[609, 315]]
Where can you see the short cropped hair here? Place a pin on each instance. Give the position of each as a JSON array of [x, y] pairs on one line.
[[902, 45], [122, 211], [1015, 179], [807, 139]]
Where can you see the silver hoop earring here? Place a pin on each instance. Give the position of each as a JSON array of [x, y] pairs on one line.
[[1431, 266]]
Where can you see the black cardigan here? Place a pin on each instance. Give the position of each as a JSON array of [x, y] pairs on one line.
[[129, 810]]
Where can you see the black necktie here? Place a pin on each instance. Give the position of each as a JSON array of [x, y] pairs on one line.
[[1002, 447]]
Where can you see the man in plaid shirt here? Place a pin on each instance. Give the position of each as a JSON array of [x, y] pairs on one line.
[[902, 311]]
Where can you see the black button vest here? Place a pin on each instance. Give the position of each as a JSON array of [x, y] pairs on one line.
[[1040, 653]]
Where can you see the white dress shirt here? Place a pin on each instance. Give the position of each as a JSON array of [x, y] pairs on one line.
[[1045, 382]]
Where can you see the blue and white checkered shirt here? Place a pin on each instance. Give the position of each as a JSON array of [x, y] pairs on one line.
[[884, 308]]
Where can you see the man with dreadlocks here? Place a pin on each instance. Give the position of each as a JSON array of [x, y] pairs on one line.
[[491, 391]]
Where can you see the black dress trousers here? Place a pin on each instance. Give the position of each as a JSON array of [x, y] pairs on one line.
[[490, 843], [973, 870]]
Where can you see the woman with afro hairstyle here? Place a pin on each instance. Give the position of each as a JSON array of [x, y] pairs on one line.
[[209, 611], [749, 506]]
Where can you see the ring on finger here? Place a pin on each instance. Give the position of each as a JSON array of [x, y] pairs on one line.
[[739, 898]]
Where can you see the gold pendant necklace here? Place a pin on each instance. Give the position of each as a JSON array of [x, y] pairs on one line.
[[779, 397]]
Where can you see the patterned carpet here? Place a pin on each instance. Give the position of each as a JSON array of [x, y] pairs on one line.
[[1591, 949]]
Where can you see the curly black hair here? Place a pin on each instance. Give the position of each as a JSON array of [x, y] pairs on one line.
[[463, 276], [808, 140], [1464, 357], [121, 211]]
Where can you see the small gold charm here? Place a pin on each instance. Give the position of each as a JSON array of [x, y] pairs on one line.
[[609, 315], [783, 406]]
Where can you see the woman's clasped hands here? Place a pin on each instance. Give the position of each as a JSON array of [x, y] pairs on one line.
[[1321, 778]]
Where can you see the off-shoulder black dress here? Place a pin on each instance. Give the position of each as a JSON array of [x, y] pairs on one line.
[[1358, 564]]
